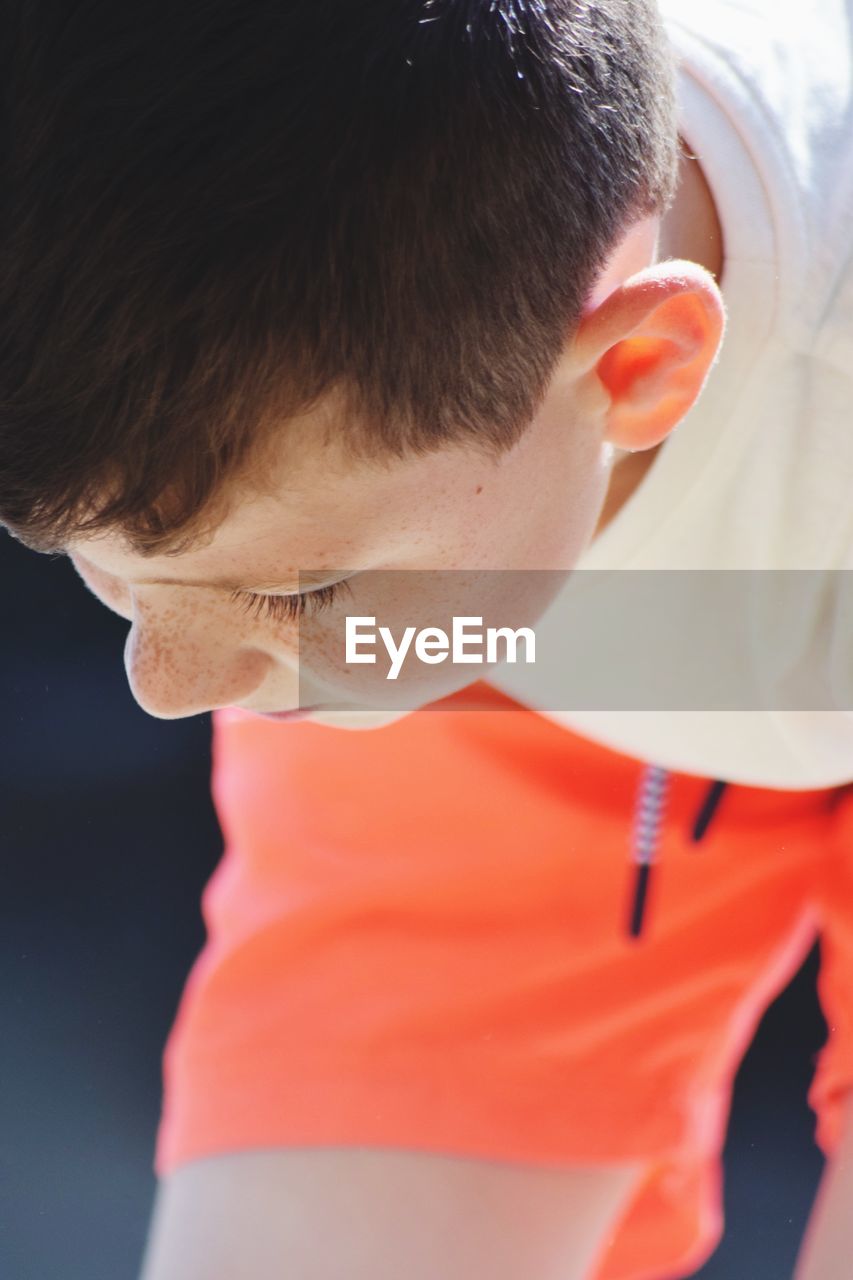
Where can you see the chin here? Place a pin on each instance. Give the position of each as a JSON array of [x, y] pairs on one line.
[[356, 719]]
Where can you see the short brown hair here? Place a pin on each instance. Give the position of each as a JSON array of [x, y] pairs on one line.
[[214, 215]]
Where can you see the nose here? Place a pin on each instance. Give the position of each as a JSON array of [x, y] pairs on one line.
[[176, 675]]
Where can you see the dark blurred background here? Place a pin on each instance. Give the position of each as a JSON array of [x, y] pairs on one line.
[[108, 836]]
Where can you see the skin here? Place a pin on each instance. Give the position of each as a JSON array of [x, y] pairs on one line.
[[376, 1214], [638, 362], [828, 1243], [635, 366], [696, 235]]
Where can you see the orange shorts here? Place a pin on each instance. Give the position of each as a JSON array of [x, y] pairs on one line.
[[417, 939]]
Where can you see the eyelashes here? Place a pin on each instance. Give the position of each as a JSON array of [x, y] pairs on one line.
[[289, 608]]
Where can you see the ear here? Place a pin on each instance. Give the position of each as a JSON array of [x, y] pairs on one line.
[[650, 346]]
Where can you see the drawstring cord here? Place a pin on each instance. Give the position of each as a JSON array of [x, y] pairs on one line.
[[707, 810], [648, 816]]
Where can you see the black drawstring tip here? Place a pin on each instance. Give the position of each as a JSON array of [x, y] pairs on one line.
[[709, 807], [649, 811], [641, 892]]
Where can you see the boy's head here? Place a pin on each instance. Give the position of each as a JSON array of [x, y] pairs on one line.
[[321, 287]]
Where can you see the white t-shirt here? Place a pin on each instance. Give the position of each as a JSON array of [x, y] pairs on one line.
[[759, 475]]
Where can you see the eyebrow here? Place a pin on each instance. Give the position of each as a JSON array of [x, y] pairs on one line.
[[304, 580]]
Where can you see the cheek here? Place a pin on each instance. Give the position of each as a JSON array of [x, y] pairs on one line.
[[546, 520], [565, 500], [538, 507]]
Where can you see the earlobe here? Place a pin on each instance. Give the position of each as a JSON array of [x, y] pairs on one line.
[[650, 346]]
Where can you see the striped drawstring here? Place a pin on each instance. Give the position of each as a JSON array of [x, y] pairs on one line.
[[648, 816]]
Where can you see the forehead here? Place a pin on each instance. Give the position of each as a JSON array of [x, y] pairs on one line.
[[310, 510]]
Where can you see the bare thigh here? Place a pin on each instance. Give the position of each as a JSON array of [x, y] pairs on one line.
[[370, 1214]]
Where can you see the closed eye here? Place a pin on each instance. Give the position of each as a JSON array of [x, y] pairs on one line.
[[291, 607]]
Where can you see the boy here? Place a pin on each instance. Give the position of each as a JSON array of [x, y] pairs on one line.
[[361, 288]]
